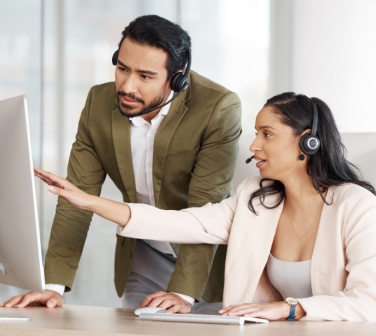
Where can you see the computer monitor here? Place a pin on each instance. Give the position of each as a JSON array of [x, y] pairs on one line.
[[20, 248]]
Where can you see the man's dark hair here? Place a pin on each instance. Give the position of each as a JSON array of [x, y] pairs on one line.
[[155, 31]]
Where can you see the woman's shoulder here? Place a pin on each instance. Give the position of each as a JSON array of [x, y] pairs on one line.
[[351, 192], [249, 184]]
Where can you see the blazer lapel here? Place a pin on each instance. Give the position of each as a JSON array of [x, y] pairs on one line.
[[163, 138], [322, 272], [249, 249], [123, 152]]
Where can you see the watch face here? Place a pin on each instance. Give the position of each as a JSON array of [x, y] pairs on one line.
[[291, 301]]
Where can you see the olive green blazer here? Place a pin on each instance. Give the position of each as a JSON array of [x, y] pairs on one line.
[[195, 153]]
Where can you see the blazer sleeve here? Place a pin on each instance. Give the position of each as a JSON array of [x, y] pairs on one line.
[[210, 224], [355, 299], [70, 225], [211, 181]]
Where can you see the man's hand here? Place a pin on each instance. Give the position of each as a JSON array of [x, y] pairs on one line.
[[173, 303], [48, 298]]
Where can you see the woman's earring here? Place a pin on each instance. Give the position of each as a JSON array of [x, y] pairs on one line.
[[301, 157]]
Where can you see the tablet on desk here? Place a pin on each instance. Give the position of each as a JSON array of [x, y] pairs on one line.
[[200, 318]]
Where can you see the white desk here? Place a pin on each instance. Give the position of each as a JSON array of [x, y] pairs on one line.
[[86, 320]]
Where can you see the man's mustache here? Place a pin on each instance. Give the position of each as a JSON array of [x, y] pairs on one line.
[[130, 95]]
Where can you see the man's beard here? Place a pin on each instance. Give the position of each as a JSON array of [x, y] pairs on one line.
[[132, 111]]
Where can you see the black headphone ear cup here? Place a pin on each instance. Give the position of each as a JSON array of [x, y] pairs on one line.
[[309, 144], [115, 57], [179, 82]]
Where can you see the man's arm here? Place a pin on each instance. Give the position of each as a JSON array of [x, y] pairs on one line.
[[70, 226]]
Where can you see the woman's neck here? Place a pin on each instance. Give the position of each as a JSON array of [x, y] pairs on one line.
[[301, 193]]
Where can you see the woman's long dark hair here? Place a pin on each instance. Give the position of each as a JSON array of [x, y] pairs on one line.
[[328, 167]]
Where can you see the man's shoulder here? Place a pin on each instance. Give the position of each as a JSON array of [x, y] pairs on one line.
[[102, 97], [200, 82], [205, 93], [105, 89]]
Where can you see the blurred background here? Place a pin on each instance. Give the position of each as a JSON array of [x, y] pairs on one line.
[[55, 50]]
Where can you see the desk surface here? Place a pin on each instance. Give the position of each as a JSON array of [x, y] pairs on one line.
[[86, 320]]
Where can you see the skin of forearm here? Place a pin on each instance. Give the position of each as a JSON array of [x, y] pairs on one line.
[[116, 212], [300, 312]]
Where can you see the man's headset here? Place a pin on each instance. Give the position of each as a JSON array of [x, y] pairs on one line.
[[178, 82], [309, 143]]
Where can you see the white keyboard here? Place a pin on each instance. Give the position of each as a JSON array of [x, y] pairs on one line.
[[200, 318], [12, 317]]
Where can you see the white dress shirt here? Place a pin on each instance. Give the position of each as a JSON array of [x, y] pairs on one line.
[[142, 146]]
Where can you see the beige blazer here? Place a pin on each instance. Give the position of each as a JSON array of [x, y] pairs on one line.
[[343, 271]]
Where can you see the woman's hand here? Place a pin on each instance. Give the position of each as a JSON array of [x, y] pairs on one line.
[[65, 189], [116, 212], [270, 311]]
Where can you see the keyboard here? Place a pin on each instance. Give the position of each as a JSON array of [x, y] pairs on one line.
[[13, 317], [200, 318]]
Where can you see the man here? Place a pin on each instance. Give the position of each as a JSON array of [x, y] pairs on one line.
[[166, 136]]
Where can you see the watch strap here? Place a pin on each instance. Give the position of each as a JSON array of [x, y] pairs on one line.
[[292, 315]]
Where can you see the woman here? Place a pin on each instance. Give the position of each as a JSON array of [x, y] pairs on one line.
[[301, 239]]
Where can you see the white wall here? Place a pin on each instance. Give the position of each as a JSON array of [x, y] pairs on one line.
[[327, 49]]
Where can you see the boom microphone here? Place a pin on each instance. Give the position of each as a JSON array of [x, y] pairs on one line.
[[160, 106], [249, 159]]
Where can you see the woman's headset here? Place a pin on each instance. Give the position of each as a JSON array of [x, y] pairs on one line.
[[309, 143]]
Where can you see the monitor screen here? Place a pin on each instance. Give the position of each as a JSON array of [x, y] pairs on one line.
[[20, 249]]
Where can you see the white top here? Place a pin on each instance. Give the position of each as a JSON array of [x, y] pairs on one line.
[[291, 279]]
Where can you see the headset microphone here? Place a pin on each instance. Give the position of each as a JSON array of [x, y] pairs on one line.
[[160, 106], [249, 159]]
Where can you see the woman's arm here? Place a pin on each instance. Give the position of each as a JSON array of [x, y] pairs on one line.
[[116, 212], [210, 224], [270, 311]]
